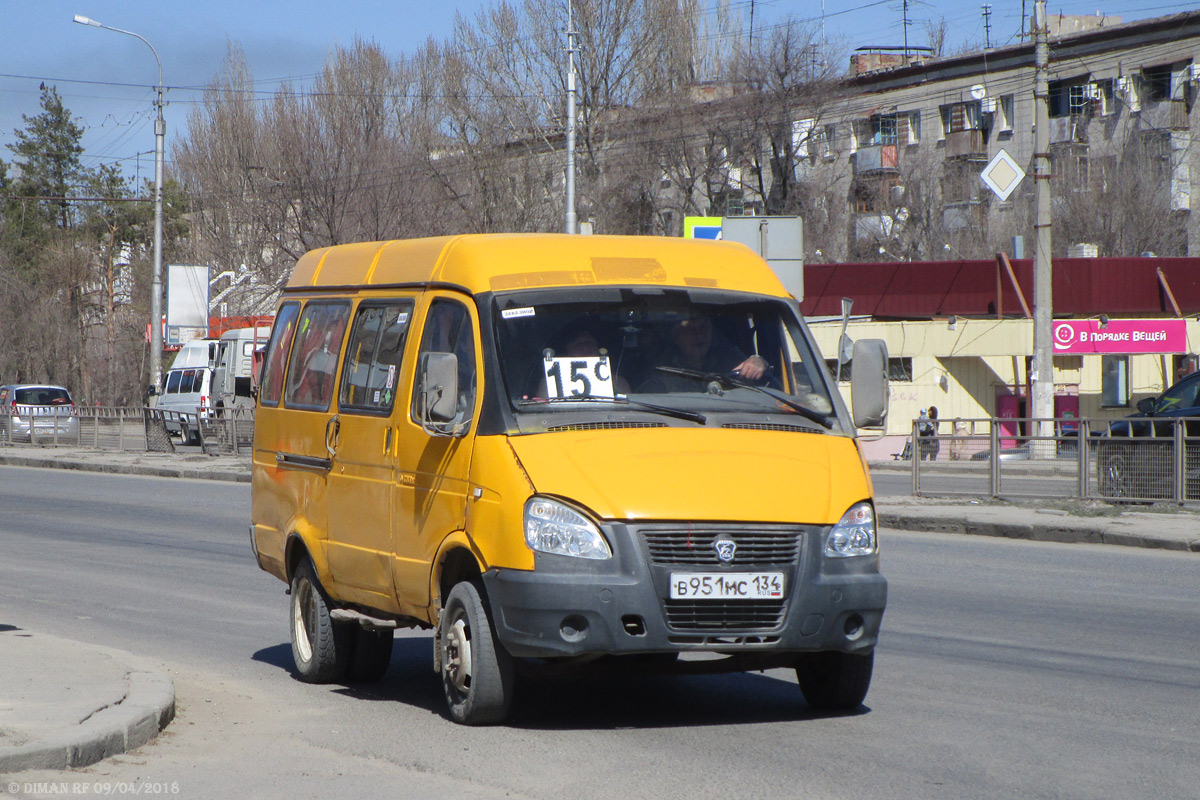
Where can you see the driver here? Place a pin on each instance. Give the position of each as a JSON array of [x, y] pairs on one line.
[[697, 348]]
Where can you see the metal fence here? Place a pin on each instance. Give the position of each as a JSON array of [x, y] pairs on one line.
[[223, 431], [1130, 460]]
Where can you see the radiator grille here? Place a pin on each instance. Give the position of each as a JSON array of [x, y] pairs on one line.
[[712, 615], [694, 547]]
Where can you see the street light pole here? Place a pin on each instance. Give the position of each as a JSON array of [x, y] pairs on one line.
[[572, 221], [160, 132]]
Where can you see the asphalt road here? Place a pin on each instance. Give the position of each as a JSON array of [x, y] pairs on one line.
[[1005, 669]]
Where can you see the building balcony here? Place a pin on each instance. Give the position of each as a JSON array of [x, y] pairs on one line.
[[1071, 129], [1168, 115], [966, 144], [877, 158]]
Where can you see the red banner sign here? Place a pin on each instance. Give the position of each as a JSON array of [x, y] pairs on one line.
[[1119, 336]]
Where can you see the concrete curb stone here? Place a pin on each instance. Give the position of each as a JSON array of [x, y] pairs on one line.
[[145, 710]]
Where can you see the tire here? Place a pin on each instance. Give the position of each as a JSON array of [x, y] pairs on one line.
[[835, 681], [477, 672], [370, 655], [320, 646], [1114, 474]]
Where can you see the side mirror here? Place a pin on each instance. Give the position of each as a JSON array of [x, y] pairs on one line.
[[439, 387], [869, 384], [1146, 405]]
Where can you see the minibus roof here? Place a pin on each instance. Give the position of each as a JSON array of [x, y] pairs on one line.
[[499, 262]]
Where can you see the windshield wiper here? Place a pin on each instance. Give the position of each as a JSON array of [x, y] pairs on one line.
[[739, 383], [678, 413]]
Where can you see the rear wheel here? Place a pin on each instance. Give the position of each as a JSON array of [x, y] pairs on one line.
[[477, 672], [835, 681], [320, 646]]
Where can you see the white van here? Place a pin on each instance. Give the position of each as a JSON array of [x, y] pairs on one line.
[[234, 380], [197, 353], [188, 392]]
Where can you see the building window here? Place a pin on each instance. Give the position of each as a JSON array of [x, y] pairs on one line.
[[831, 141], [1004, 113], [960, 117], [900, 370], [1156, 84], [960, 181], [873, 195], [883, 129], [909, 128], [1114, 381], [1067, 98], [1070, 166]]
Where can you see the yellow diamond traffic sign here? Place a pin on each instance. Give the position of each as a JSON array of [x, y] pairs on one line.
[[1002, 175]]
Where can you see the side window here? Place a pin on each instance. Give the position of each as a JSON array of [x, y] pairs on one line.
[[373, 356], [448, 330], [277, 353], [173, 381], [312, 368]]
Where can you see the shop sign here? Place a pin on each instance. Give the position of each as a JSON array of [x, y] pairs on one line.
[[1120, 336]]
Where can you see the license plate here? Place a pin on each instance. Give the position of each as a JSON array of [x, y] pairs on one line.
[[726, 586]]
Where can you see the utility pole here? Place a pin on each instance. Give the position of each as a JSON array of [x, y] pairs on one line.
[[160, 132], [1042, 373], [987, 26], [572, 223]]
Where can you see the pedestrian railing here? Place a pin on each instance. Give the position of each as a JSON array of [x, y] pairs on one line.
[[1136, 460], [130, 429]]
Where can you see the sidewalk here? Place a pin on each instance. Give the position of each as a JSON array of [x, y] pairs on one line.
[[1165, 526], [163, 465], [65, 704]]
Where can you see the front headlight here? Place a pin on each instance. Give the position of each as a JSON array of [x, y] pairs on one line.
[[854, 535], [555, 528]]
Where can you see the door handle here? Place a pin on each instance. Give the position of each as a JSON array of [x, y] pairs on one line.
[[333, 429], [387, 440]]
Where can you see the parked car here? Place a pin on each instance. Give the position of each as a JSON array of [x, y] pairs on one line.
[[1135, 455], [35, 412], [1064, 447]]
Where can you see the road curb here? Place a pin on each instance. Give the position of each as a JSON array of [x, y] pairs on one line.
[[195, 473], [1042, 532], [146, 709]]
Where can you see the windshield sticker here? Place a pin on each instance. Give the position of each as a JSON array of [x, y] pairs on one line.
[[580, 377], [513, 313], [377, 394], [391, 376], [402, 318]]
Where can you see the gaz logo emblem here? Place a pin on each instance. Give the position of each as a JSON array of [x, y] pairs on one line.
[[726, 548]]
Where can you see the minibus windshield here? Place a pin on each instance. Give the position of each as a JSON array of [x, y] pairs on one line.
[[685, 353]]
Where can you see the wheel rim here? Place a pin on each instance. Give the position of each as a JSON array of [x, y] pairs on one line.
[[456, 655], [1114, 472], [303, 619]]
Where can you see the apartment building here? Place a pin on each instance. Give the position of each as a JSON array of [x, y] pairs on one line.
[[905, 142]]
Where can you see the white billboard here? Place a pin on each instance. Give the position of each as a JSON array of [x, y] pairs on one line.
[[187, 302]]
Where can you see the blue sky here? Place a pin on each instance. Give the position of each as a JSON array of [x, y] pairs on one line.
[[106, 79]]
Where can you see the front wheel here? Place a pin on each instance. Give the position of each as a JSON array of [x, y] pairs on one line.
[[1114, 475], [477, 672], [320, 646], [835, 681]]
